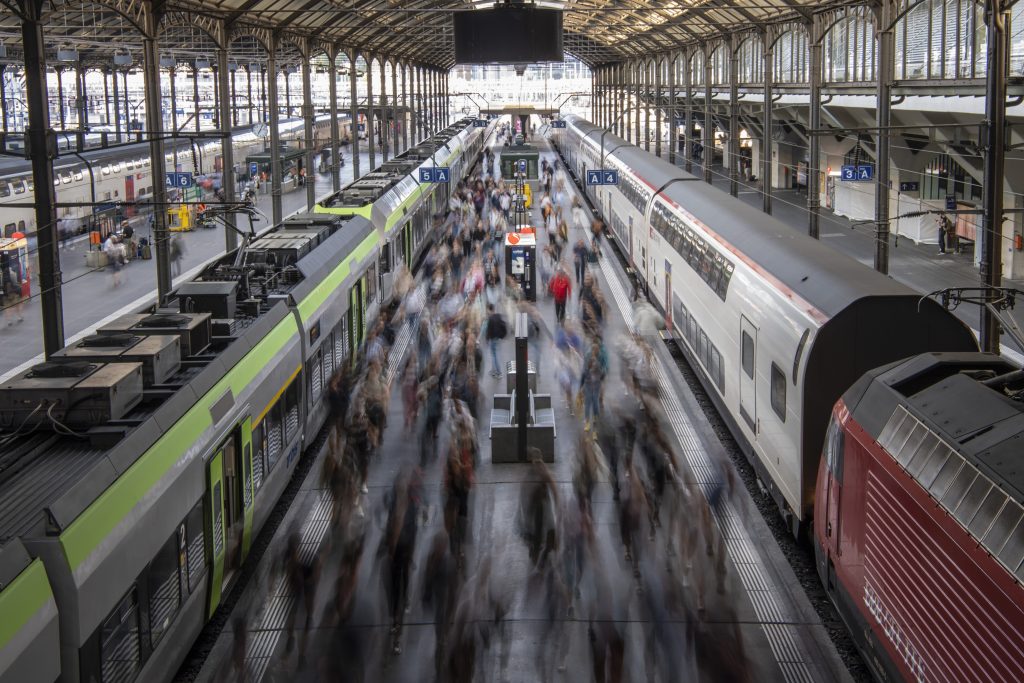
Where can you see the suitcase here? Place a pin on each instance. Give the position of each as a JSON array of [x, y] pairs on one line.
[[147, 252]]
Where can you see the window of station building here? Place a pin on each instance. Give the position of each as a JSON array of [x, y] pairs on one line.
[[120, 655], [31, 185], [20, 186], [117, 167], [943, 177], [164, 587], [65, 178], [778, 393], [105, 170], [79, 176], [748, 355]]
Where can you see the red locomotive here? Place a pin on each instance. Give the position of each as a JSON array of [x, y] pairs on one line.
[[919, 531]]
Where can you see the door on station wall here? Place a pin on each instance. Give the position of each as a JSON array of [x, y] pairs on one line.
[[748, 352]]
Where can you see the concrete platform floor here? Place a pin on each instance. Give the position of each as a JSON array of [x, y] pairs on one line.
[[780, 635]]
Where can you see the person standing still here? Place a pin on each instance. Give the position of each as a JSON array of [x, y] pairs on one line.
[[496, 330]]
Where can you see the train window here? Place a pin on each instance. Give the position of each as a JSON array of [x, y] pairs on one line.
[[1013, 552], [31, 185], [105, 170], [371, 283], [933, 466], [959, 487], [9, 229], [259, 444], [702, 343], [120, 655], [129, 165], [327, 349], [79, 176], [65, 178], [117, 168], [164, 589], [291, 402], [5, 190], [748, 355], [19, 187], [987, 512], [385, 258], [834, 441], [715, 366], [195, 559], [275, 435], [779, 391], [315, 369], [1009, 518], [923, 453]]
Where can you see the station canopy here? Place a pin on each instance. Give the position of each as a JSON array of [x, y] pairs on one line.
[[412, 31]]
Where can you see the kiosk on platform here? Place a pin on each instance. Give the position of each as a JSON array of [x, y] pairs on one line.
[[521, 260]]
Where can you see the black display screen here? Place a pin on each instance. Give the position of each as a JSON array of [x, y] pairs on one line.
[[508, 35]]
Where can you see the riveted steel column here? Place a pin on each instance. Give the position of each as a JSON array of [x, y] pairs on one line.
[[883, 109], [673, 63], [41, 148], [709, 126], [766, 138], [620, 123], [646, 92], [154, 129], [307, 115], [394, 107], [814, 122], [81, 106], [688, 114], [332, 94], [227, 149], [407, 119], [117, 108], [275, 135], [354, 113], [734, 116], [371, 142], [997, 18], [421, 114], [383, 111], [659, 65], [195, 96], [638, 102]]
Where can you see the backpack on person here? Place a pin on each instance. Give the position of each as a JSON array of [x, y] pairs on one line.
[[496, 327]]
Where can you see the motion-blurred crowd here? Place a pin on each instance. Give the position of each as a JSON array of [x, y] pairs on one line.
[[622, 570]]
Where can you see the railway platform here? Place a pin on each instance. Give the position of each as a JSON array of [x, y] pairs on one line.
[[91, 297], [762, 607]]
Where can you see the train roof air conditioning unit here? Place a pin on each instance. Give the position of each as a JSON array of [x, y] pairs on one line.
[[193, 329], [70, 396], [160, 355]]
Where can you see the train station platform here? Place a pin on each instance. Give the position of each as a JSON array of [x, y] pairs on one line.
[[91, 297], [762, 604]]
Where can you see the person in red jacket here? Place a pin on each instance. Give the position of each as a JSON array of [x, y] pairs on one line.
[[561, 288]]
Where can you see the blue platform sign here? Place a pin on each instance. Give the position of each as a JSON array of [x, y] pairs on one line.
[[558, 124], [858, 173], [479, 123], [435, 174], [950, 202], [522, 165], [361, 127], [254, 169], [179, 180], [602, 176]]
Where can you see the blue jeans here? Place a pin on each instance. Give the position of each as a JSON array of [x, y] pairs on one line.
[[591, 402], [493, 343]]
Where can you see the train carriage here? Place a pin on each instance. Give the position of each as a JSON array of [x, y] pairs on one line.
[[777, 324], [137, 466], [920, 518]]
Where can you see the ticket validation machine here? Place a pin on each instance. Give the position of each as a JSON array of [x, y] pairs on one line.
[[521, 260]]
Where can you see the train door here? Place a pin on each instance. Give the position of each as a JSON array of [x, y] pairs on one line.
[[668, 296], [355, 314], [407, 241], [129, 194], [748, 395], [230, 507]]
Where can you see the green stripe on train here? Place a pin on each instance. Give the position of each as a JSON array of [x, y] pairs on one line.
[[87, 532], [22, 600], [308, 306]]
